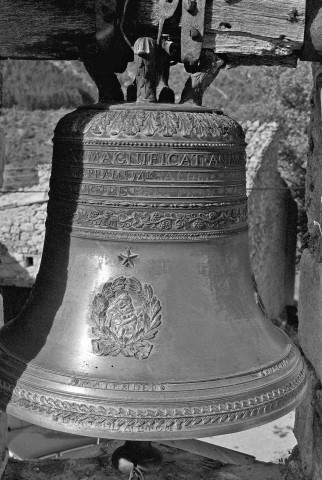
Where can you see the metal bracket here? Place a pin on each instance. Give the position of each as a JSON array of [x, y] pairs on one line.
[[192, 30], [166, 10]]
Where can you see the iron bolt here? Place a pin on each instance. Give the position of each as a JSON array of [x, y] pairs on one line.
[[191, 5], [194, 34], [292, 15]]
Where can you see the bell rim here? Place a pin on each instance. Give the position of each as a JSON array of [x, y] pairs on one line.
[[196, 433], [159, 421]]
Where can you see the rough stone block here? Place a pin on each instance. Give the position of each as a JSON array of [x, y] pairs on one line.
[[27, 227], [24, 236], [16, 256], [310, 311], [304, 425], [2, 148], [4, 454]]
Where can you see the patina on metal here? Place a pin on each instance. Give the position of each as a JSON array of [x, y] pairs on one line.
[[144, 323]]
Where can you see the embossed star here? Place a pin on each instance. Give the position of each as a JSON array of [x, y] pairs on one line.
[[127, 259]]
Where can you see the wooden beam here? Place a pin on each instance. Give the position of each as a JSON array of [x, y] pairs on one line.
[[251, 26], [258, 31], [45, 29]]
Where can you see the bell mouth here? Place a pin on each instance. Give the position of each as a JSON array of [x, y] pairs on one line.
[[169, 107], [120, 413]]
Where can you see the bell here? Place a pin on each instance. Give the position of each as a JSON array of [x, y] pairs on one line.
[[143, 323]]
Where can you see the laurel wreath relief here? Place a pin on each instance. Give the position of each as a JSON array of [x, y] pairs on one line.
[[125, 318]]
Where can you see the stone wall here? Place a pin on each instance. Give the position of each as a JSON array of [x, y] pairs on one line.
[[2, 154], [22, 227], [4, 454], [308, 428], [272, 220], [28, 144]]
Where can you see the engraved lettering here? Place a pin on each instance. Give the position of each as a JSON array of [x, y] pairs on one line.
[[128, 175], [74, 153], [173, 159], [154, 159], [150, 191], [94, 157], [120, 158], [134, 159], [186, 161]]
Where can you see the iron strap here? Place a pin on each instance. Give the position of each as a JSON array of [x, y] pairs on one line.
[[192, 30]]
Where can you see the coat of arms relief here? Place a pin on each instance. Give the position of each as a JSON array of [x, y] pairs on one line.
[[125, 319]]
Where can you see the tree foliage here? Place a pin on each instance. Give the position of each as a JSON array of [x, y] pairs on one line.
[[40, 85]]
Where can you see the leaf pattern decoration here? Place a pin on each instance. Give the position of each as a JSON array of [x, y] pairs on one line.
[[151, 123]]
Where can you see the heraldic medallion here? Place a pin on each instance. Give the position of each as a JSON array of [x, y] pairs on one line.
[[125, 318]]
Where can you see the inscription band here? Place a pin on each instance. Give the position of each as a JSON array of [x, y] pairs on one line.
[[150, 191], [74, 173], [157, 158]]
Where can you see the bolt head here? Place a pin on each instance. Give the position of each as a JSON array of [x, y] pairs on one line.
[[191, 5], [194, 34]]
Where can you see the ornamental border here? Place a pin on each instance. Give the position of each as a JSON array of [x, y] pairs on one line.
[[149, 221], [130, 204], [232, 147], [151, 419], [157, 122], [91, 233]]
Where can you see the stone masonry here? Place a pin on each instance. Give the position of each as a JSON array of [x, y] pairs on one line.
[[22, 220], [308, 426], [272, 220], [4, 454]]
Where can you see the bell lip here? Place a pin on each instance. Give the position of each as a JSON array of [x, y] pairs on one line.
[[172, 107], [64, 421], [176, 435]]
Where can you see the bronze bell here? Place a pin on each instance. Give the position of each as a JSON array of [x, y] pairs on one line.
[[143, 322]]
